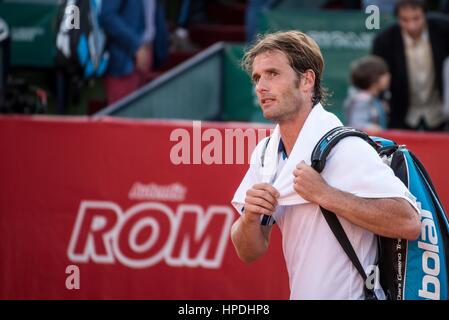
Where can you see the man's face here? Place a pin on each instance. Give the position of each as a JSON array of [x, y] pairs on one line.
[[277, 86], [412, 20]]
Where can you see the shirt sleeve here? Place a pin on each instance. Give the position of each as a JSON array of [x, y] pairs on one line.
[[354, 166], [116, 27]]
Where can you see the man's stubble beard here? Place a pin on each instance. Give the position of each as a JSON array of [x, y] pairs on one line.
[[291, 111], [294, 103]]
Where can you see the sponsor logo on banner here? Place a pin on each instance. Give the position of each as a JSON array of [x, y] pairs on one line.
[[174, 192], [151, 232]]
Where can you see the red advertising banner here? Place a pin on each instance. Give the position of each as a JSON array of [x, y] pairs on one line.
[[128, 209]]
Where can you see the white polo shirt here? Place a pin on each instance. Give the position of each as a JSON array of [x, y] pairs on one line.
[[318, 267]]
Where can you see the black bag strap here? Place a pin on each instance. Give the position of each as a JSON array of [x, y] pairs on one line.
[[330, 139], [319, 155], [343, 240]]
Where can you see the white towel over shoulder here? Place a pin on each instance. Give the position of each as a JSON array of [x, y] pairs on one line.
[[317, 124], [355, 168]]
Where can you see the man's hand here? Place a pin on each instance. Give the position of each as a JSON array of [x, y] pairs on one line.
[[144, 58], [261, 199], [309, 184], [249, 237]]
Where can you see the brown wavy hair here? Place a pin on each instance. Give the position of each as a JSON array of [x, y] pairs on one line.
[[302, 52]]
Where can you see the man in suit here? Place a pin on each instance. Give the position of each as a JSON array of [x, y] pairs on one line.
[[130, 27], [415, 49]]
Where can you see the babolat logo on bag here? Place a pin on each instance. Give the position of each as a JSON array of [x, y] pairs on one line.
[[409, 270], [417, 269], [80, 41]]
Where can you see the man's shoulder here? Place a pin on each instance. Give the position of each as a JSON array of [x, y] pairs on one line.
[[438, 20], [437, 17], [388, 33], [354, 143], [352, 150]]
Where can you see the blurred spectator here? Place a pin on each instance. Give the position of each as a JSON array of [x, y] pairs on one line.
[[342, 4], [363, 108], [385, 6], [414, 49], [130, 27], [254, 9], [191, 11], [445, 6]]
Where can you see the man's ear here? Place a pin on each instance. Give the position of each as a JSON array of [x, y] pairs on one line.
[[308, 80]]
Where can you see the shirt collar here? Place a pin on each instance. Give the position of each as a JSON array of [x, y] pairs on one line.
[[410, 42], [309, 133], [281, 149]]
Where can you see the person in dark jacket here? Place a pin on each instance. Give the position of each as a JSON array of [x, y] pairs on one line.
[[415, 48], [130, 26]]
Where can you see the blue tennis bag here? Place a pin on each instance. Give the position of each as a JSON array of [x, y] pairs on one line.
[[409, 270]]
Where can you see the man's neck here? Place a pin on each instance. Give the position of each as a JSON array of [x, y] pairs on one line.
[[418, 37], [290, 129]]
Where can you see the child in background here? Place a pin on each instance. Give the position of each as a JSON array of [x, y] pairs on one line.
[[364, 109]]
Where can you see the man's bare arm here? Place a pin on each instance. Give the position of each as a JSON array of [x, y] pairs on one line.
[[389, 217], [250, 238]]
